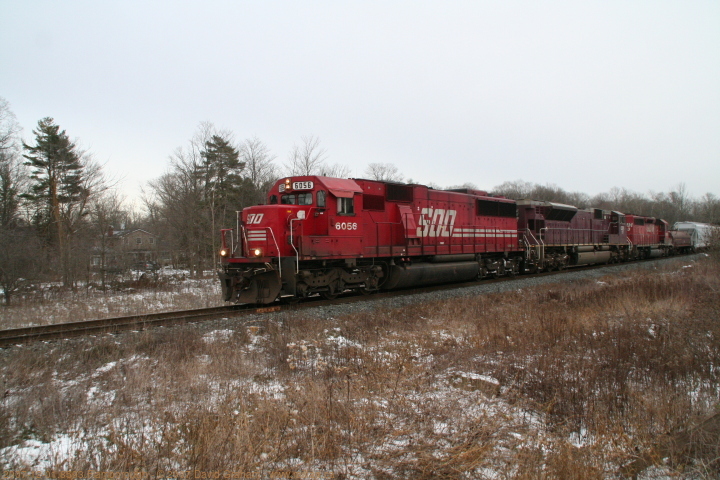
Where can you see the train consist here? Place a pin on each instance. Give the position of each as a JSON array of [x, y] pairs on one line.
[[321, 235]]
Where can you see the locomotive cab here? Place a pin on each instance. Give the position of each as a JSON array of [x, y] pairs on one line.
[[330, 227], [305, 218]]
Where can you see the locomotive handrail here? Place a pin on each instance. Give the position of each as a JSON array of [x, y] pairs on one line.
[[292, 244], [223, 238], [241, 233], [542, 248], [232, 243], [536, 244], [277, 248], [241, 228]]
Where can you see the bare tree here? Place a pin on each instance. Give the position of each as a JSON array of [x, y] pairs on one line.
[[468, 185], [9, 128], [106, 212], [20, 259], [708, 209], [174, 199], [13, 174], [335, 170], [308, 158], [384, 172], [517, 189], [13, 182], [680, 198], [579, 199], [259, 168]]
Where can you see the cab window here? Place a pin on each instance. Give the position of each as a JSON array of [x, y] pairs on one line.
[[273, 199], [346, 206], [288, 200], [305, 198], [321, 198]]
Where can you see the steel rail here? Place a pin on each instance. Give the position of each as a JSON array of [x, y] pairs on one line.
[[117, 324], [23, 335]]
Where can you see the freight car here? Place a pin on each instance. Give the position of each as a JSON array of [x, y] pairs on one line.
[[322, 235], [702, 235]]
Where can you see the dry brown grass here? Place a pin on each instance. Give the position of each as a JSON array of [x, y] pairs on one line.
[[59, 305], [561, 381]]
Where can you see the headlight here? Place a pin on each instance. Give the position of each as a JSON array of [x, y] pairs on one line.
[[223, 253], [256, 252]]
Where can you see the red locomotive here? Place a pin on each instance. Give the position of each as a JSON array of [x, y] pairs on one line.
[[328, 235]]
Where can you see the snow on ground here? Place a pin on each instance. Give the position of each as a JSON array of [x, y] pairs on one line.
[[174, 290], [476, 394], [473, 396], [223, 335], [42, 456]]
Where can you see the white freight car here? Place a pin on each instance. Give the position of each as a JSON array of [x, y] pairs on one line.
[[702, 235]]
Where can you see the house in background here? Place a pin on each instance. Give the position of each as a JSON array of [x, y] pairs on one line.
[[119, 249]]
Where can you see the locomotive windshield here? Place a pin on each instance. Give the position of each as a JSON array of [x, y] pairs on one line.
[[297, 199]]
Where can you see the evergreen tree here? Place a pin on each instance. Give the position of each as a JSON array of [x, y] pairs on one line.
[[223, 184], [58, 185], [222, 167]]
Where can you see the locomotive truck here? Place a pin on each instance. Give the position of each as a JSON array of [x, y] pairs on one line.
[[322, 235]]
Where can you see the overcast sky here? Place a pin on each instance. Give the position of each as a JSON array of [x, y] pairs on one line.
[[585, 95]]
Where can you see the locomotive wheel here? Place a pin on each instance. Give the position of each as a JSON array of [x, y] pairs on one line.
[[328, 295]]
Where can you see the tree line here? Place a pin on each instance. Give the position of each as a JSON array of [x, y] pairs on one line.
[[57, 206], [674, 206]]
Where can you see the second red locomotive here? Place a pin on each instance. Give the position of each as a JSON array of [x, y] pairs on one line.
[[328, 235]]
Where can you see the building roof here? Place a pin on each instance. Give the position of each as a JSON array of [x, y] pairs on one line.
[[123, 233]]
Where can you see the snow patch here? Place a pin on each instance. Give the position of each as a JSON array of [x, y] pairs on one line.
[[39, 455], [105, 368], [218, 336]]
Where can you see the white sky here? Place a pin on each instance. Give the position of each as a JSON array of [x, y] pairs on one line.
[[585, 95]]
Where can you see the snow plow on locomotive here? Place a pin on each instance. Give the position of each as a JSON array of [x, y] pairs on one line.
[[322, 235]]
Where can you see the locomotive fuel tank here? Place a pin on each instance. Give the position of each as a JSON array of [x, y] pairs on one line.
[[589, 258], [420, 274]]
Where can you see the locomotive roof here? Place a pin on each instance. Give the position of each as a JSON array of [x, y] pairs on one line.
[[540, 203], [340, 187]]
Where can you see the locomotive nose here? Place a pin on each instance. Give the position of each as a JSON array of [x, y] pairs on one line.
[[263, 229]]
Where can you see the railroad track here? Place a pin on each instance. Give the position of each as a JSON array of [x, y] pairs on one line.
[[23, 335], [118, 324]]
